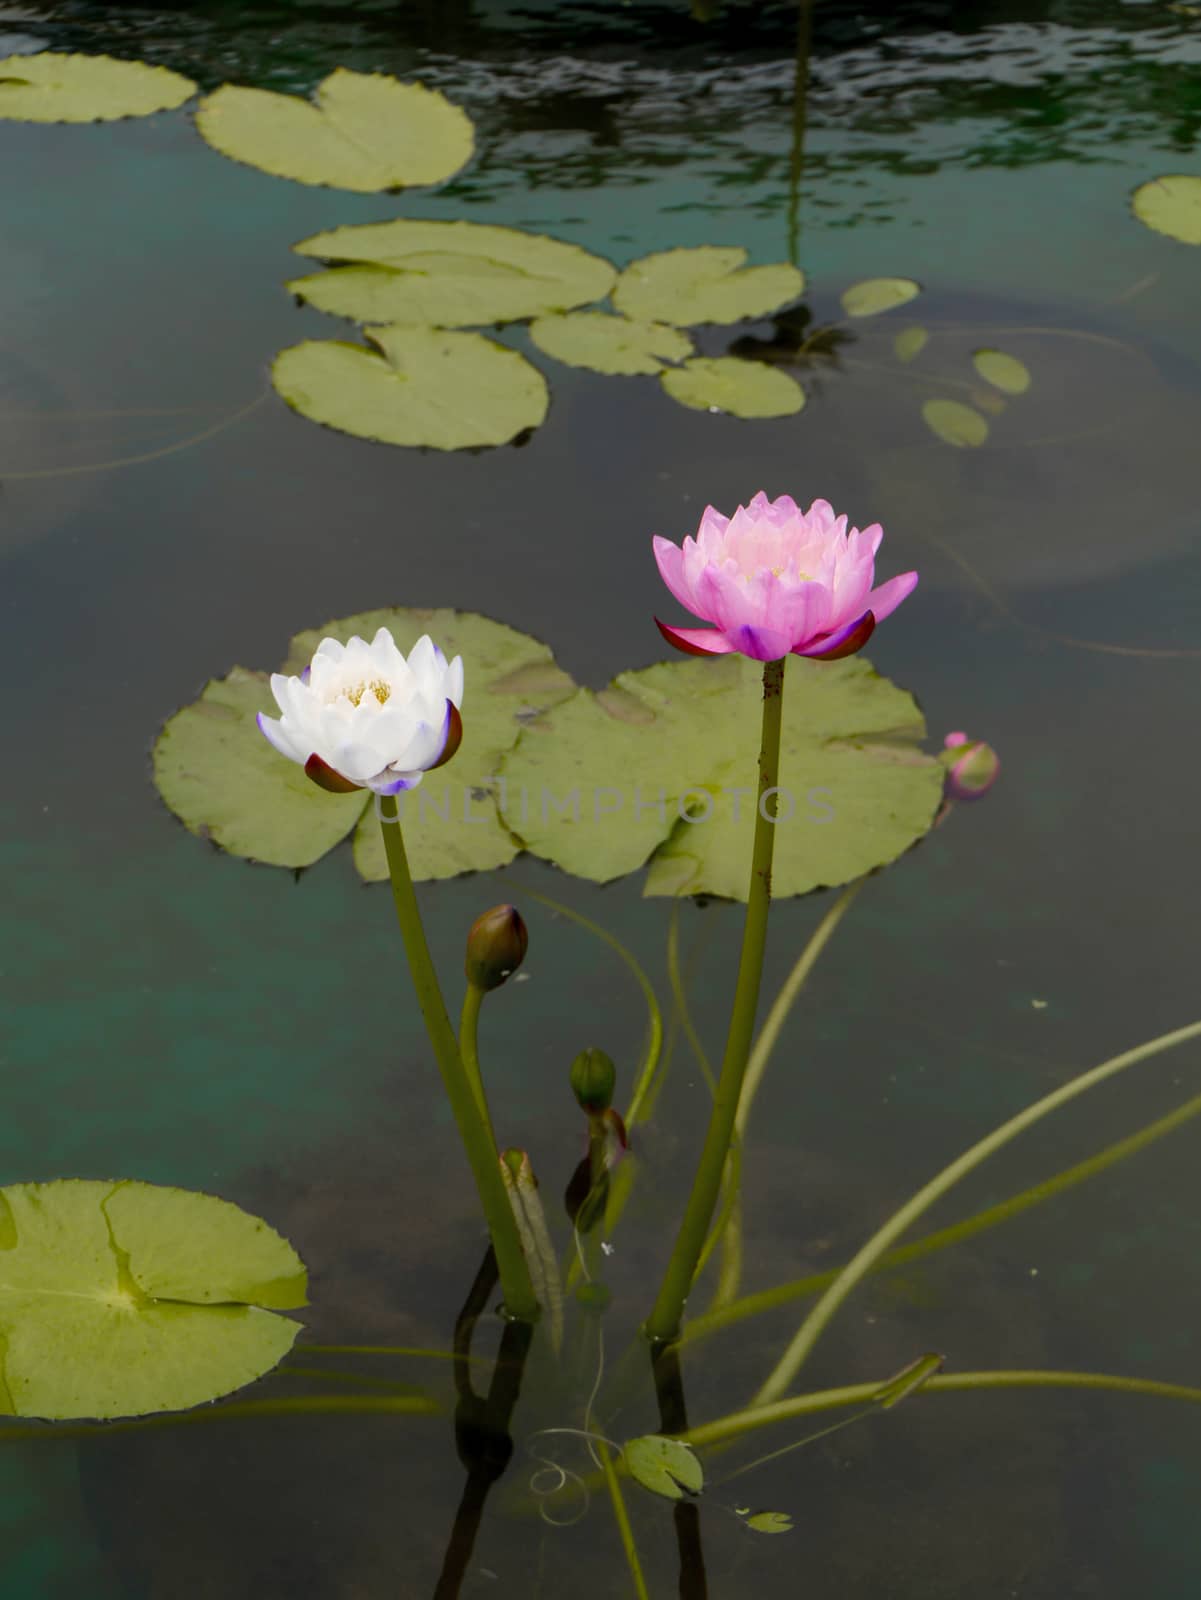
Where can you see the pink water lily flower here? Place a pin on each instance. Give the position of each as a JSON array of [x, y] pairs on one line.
[[361, 716], [775, 580]]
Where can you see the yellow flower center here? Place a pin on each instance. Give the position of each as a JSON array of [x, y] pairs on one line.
[[377, 687]]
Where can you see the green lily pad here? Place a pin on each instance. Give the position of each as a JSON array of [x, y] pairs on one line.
[[909, 343], [449, 274], [419, 386], [603, 343], [666, 1467], [873, 295], [602, 783], [48, 87], [119, 1299], [366, 132], [219, 775], [1171, 205], [1002, 371], [741, 388], [707, 283], [955, 423], [770, 1522]]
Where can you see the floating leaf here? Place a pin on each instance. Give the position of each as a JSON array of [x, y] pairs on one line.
[[770, 1522], [48, 87], [910, 342], [218, 774], [726, 383], [873, 295], [450, 274], [1002, 371], [703, 284], [954, 422], [599, 791], [419, 386], [666, 1467], [118, 1299], [603, 343], [1171, 205], [366, 132]]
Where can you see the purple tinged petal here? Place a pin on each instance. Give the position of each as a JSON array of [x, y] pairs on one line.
[[761, 644], [696, 641], [844, 641], [885, 599], [273, 731], [389, 782]]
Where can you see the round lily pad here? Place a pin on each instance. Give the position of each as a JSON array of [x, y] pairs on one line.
[[1171, 205], [707, 283], [873, 295], [366, 132], [604, 343], [910, 343], [662, 767], [419, 386], [49, 87], [450, 274], [726, 383], [119, 1299], [955, 423], [667, 1467], [1002, 371]]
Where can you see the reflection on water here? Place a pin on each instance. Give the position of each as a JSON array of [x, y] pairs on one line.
[[223, 1027]]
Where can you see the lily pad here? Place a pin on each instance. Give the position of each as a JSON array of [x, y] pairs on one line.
[[873, 295], [955, 423], [1171, 205], [910, 343], [448, 274], [726, 383], [662, 767], [770, 1522], [666, 1467], [1002, 371], [366, 132], [218, 774], [49, 87], [602, 343], [119, 1299], [707, 283], [419, 386]]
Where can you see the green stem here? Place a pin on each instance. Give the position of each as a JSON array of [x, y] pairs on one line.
[[468, 1027], [664, 1322], [622, 1517], [860, 1265], [518, 1292]]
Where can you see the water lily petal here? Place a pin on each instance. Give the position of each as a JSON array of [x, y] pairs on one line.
[[274, 731], [671, 563], [885, 599], [845, 641], [696, 641]]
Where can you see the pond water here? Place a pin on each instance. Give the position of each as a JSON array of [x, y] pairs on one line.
[[176, 1015]]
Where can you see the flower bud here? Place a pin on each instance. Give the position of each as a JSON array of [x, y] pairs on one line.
[[593, 1079], [496, 945], [972, 767]]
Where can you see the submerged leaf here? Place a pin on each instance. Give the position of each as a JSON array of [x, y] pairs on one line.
[[366, 132], [873, 295], [118, 1299], [1171, 205], [49, 87], [955, 423], [604, 343], [452, 274], [704, 284], [741, 388], [666, 1467], [1002, 371], [419, 386], [910, 342]]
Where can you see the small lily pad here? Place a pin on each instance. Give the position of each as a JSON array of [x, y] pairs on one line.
[[770, 1522], [1002, 371], [448, 274], [365, 132], [909, 343], [604, 343], [955, 423], [419, 386], [49, 87], [120, 1299], [707, 283], [873, 295], [666, 1467], [1171, 205], [741, 388]]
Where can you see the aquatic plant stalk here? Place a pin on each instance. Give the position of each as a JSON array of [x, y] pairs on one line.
[[664, 1321], [516, 1287], [860, 1265], [469, 1048], [622, 1518]]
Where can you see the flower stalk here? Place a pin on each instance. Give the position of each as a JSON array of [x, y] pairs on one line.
[[663, 1324]]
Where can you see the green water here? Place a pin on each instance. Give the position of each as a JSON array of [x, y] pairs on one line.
[[175, 1015]]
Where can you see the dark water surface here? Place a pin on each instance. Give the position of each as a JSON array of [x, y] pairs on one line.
[[176, 1015]]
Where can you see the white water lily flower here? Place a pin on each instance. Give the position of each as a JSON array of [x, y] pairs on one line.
[[362, 717]]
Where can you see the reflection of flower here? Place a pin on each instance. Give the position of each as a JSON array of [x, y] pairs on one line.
[[776, 580], [361, 716], [972, 767]]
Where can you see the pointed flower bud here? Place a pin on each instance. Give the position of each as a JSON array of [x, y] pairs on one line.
[[496, 945], [593, 1079], [972, 767]]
